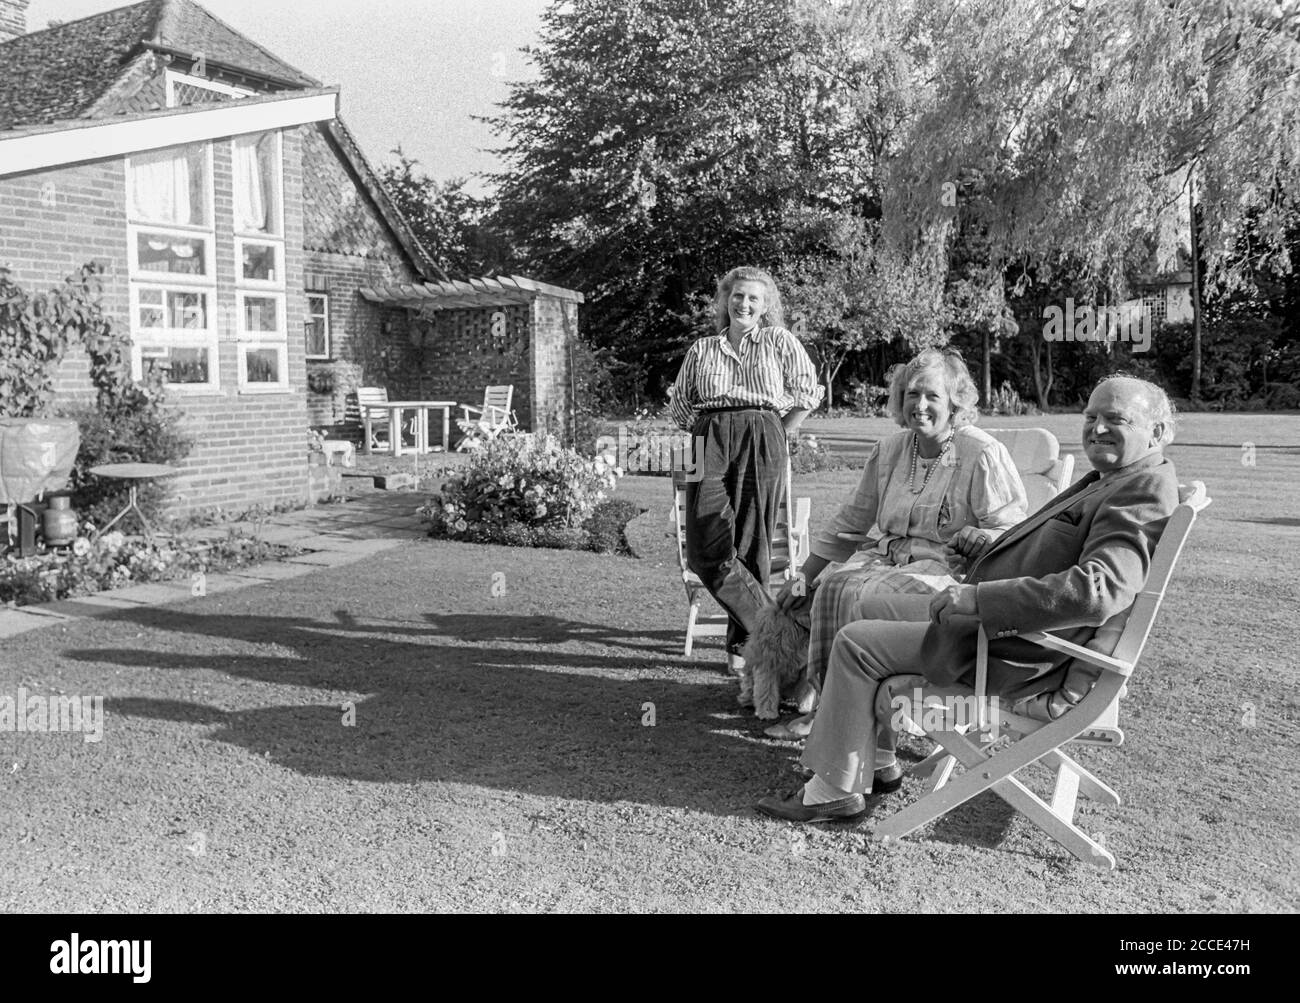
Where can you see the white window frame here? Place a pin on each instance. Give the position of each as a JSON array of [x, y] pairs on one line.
[[278, 179], [281, 347], [310, 315], [257, 340], [277, 245], [279, 338], [207, 280], [204, 338], [174, 77]]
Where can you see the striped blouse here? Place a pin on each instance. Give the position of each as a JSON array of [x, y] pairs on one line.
[[772, 369]]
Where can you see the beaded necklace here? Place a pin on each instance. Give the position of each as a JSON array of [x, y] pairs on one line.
[[911, 477]]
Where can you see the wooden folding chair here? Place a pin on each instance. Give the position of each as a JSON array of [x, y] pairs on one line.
[[995, 747], [1037, 456], [790, 546]]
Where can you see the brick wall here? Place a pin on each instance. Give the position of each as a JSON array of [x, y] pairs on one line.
[[460, 355], [348, 246], [52, 223], [250, 448]]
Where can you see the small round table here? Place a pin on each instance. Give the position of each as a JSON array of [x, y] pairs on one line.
[[132, 472]]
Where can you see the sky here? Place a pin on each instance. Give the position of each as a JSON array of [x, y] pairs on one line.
[[409, 71]]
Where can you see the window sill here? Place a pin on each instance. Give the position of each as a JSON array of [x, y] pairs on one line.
[[263, 391], [188, 390]]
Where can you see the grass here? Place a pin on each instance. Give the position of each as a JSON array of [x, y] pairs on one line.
[[502, 756]]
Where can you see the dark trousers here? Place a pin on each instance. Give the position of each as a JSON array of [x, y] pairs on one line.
[[731, 511]]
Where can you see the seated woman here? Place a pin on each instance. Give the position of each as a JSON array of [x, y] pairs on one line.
[[932, 498]]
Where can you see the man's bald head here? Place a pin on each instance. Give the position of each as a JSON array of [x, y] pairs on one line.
[[1126, 419]]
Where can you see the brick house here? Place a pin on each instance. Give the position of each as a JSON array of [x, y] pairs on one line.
[[247, 242]]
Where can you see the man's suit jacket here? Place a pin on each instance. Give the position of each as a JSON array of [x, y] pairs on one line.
[[1068, 568]]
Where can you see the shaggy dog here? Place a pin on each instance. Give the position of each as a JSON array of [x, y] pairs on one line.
[[775, 658]]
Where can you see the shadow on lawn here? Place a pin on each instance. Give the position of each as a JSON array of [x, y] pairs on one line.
[[455, 702]]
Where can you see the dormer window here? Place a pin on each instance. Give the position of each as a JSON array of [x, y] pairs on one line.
[[183, 89]]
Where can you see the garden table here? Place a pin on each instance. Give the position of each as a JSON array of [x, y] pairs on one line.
[[422, 409], [132, 473]]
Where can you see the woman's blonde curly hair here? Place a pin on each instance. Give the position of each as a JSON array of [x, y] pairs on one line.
[[773, 315], [962, 392]]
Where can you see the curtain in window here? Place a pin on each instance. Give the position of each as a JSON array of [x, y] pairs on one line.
[[160, 186], [251, 202]]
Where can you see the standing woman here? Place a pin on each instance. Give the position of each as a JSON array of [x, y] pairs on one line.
[[740, 393]]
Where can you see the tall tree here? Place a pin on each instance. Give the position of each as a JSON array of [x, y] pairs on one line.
[[448, 220], [1085, 122]]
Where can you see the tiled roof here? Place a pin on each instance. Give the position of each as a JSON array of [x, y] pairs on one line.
[[60, 73], [190, 28]]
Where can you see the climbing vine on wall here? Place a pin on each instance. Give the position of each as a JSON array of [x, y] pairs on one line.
[[128, 420]]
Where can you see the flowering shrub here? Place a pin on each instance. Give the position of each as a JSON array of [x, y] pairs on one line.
[[524, 480], [115, 561], [811, 455]]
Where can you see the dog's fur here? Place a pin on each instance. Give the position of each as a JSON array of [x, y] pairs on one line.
[[775, 657]]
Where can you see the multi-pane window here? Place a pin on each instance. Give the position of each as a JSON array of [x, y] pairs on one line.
[[1153, 302], [172, 277], [262, 329], [317, 326]]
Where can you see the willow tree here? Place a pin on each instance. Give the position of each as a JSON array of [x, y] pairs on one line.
[[1084, 124]]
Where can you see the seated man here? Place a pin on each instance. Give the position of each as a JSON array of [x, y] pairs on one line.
[[1068, 568]]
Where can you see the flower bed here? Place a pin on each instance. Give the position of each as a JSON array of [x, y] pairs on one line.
[[529, 491], [115, 561]]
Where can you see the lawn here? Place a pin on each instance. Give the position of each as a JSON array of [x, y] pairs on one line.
[[551, 749]]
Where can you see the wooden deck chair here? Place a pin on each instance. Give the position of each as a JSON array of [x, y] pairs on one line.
[[1037, 456], [992, 763], [790, 546], [494, 417]]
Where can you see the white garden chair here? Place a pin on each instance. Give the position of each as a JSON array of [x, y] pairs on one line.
[[494, 417]]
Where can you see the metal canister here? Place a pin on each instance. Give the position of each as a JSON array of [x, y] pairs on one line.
[[59, 521]]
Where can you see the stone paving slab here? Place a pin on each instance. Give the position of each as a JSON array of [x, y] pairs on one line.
[[325, 558], [284, 534], [101, 600], [71, 609], [14, 622], [153, 593], [333, 541], [216, 584], [277, 571]]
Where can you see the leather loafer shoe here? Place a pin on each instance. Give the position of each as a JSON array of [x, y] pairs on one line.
[[792, 808], [881, 785]]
